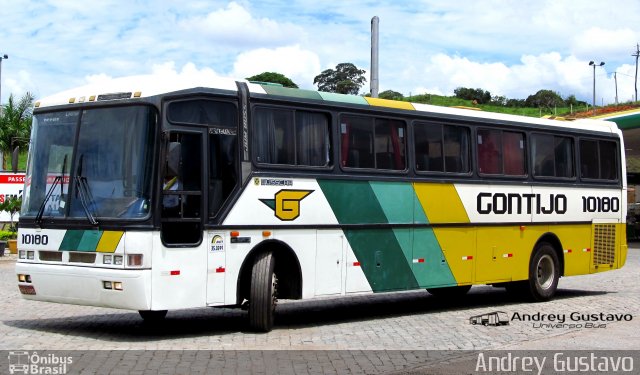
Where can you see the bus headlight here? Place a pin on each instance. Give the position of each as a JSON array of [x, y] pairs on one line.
[[117, 260], [22, 254], [107, 259], [31, 255]]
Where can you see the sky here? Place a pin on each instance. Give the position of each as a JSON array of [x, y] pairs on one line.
[[509, 48]]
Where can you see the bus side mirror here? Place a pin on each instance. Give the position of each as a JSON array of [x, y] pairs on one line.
[[14, 159]]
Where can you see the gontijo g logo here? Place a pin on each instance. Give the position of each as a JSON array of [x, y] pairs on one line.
[[286, 203]]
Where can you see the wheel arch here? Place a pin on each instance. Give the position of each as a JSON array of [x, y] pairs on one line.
[[287, 268], [554, 241]]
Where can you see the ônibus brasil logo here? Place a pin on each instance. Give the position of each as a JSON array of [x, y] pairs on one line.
[[23, 362]]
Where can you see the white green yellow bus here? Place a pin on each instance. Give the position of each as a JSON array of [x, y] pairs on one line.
[[155, 196]]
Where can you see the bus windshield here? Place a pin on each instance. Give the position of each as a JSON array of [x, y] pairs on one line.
[[92, 163]]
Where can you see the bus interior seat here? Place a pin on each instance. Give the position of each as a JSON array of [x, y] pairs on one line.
[[384, 160]]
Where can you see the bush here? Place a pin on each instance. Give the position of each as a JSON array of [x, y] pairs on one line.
[[6, 235]]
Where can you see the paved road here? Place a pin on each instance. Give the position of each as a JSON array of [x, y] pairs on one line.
[[362, 334]]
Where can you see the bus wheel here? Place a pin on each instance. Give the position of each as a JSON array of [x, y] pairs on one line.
[[450, 291], [152, 316], [263, 293], [544, 272]]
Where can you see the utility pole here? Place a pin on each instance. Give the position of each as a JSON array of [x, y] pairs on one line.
[[375, 21], [636, 56], [615, 78]]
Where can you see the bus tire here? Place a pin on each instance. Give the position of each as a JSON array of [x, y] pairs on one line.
[[450, 291], [152, 316], [544, 272], [263, 293]]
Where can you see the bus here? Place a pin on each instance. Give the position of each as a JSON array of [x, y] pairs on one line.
[[154, 196]]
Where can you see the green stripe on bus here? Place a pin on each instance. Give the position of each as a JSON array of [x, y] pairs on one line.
[[434, 271], [89, 240], [71, 239], [80, 240], [382, 253], [391, 259], [353, 202], [381, 259], [342, 98], [397, 200], [292, 93]]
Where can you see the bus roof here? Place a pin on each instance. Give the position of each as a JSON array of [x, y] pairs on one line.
[[147, 85]]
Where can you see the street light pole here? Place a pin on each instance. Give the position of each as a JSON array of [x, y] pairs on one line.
[[2, 57], [591, 63]]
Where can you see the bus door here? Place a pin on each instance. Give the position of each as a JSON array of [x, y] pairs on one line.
[[208, 160]]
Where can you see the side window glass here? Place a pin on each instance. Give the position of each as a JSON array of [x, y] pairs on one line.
[[608, 160], [441, 148], [428, 147], [389, 144], [291, 137], [598, 160], [357, 142], [223, 175], [514, 155], [456, 149], [552, 156], [489, 151], [182, 190], [589, 164], [368, 142]]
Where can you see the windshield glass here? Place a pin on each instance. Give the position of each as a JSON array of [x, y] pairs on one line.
[[109, 176]]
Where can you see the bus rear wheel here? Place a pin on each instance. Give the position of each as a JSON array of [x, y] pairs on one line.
[[450, 291], [544, 273], [263, 293]]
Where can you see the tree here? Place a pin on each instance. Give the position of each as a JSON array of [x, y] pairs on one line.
[[15, 122], [479, 95], [345, 79], [390, 94], [545, 99], [273, 78]]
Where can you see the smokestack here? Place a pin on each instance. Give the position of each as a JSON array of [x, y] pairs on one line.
[[375, 21]]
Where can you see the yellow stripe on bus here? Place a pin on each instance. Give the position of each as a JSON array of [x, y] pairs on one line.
[[390, 103], [441, 203], [109, 241]]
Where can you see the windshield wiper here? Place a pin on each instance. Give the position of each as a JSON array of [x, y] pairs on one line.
[[57, 180], [83, 190]]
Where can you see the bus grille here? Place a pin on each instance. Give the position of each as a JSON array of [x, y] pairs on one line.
[[604, 244], [82, 257]]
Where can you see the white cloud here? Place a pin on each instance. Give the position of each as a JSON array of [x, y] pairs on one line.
[[235, 25], [300, 65], [597, 43]]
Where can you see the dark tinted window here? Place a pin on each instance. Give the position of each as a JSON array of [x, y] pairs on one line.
[[501, 152], [368, 142], [598, 160], [441, 148], [284, 136], [552, 156]]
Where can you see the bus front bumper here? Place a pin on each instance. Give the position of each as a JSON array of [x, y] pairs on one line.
[[102, 287]]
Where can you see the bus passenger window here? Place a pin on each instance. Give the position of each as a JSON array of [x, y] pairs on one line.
[[368, 142], [552, 156], [290, 137], [598, 160], [489, 151]]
